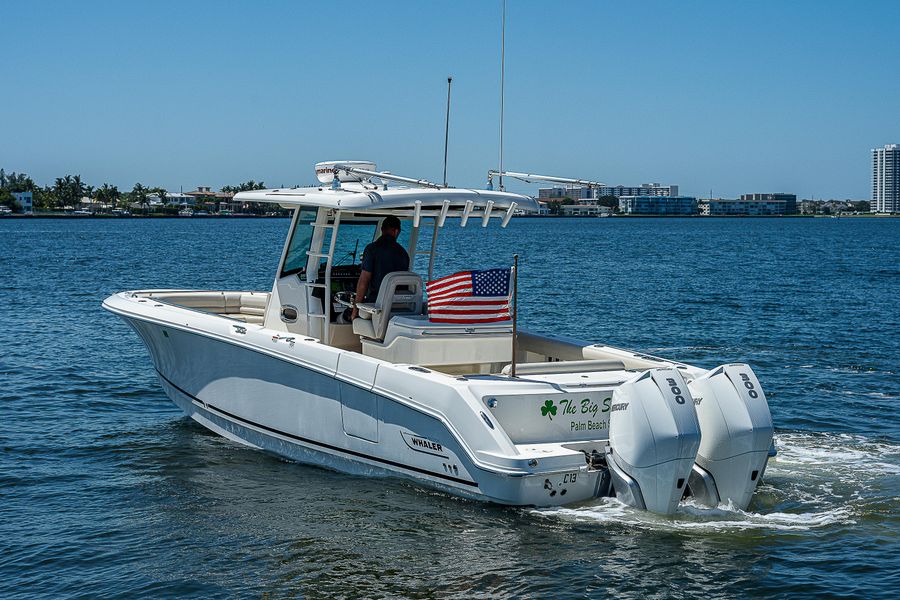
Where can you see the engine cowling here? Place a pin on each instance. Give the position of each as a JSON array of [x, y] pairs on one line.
[[737, 433], [653, 440]]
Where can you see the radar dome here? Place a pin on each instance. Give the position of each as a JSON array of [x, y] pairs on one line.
[[325, 170]]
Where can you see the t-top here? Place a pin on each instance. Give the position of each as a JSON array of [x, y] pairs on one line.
[[381, 257]]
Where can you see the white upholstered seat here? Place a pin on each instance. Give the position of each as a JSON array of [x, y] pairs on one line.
[[400, 293]]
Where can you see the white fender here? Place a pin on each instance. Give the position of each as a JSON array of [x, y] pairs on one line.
[[737, 434], [653, 438]]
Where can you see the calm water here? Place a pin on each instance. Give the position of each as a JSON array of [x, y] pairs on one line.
[[106, 490]]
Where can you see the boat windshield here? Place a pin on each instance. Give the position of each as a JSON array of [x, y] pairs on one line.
[[353, 235], [295, 261], [352, 239]]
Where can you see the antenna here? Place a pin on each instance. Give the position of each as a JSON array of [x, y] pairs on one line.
[[502, 81], [447, 130]]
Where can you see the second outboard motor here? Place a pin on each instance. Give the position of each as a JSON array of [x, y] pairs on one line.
[[737, 434], [653, 440]]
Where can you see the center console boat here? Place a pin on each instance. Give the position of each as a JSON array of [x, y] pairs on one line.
[[480, 410]]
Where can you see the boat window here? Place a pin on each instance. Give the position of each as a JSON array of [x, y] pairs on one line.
[[352, 239], [295, 261]]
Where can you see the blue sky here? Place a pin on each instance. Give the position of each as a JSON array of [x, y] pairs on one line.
[[723, 96]]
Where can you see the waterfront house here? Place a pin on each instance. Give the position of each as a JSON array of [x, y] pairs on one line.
[[25, 200]]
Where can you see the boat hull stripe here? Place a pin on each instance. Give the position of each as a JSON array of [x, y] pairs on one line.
[[315, 443]]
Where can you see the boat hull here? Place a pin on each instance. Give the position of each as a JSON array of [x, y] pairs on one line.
[[301, 413]]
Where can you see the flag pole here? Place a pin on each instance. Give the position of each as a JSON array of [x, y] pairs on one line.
[[515, 313]]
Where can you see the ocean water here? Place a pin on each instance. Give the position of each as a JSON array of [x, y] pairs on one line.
[[106, 490]]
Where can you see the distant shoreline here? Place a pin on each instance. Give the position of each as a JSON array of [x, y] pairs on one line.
[[288, 216], [151, 216], [841, 216]]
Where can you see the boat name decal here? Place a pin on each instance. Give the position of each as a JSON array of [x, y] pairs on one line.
[[421, 444], [569, 406]]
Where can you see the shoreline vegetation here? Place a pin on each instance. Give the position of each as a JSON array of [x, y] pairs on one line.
[[70, 196]]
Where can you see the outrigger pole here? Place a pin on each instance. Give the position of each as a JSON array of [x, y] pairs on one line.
[[530, 177], [386, 176]]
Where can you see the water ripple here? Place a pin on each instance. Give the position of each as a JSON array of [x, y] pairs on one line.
[[106, 490]]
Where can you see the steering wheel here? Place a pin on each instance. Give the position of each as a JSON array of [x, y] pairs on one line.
[[345, 299]]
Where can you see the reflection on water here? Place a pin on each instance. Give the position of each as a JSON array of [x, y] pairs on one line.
[[105, 490]]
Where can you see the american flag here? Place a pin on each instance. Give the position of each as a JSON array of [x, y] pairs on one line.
[[470, 297]]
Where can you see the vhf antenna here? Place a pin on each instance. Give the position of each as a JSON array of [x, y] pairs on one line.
[[447, 130], [502, 78]]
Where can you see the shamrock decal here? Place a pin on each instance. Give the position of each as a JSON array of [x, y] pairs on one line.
[[548, 409]]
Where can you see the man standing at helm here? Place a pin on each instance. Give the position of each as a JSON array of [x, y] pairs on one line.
[[384, 255]]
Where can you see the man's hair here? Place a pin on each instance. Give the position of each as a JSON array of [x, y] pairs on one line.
[[390, 222]]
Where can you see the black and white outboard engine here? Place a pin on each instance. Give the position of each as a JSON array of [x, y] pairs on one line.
[[653, 440], [737, 434]]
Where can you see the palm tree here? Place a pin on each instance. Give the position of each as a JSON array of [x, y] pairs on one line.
[[62, 190], [139, 195], [89, 193], [16, 182], [108, 194], [161, 192], [78, 188]]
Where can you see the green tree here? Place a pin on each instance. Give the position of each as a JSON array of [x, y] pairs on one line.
[[7, 199], [43, 198], [89, 193], [609, 201], [108, 194], [16, 182], [161, 194], [138, 195], [69, 190]]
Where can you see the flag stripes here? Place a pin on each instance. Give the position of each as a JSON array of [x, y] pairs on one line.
[[470, 297]]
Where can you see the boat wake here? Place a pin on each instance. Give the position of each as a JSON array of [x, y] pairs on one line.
[[817, 480]]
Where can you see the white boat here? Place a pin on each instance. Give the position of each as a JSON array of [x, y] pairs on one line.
[[395, 394], [186, 212]]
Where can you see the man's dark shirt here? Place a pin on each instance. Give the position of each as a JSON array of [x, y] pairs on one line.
[[381, 257]]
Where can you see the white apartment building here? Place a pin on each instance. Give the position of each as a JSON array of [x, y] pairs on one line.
[[172, 199], [579, 192], [583, 210], [886, 179], [722, 207]]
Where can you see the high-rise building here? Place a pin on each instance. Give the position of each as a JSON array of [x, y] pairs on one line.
[[886, 179]]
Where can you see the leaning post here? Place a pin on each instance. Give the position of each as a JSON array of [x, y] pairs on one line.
[[515, 313]]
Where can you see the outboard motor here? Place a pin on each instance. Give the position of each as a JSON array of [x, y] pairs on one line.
[[737, 434], [653, 440]]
